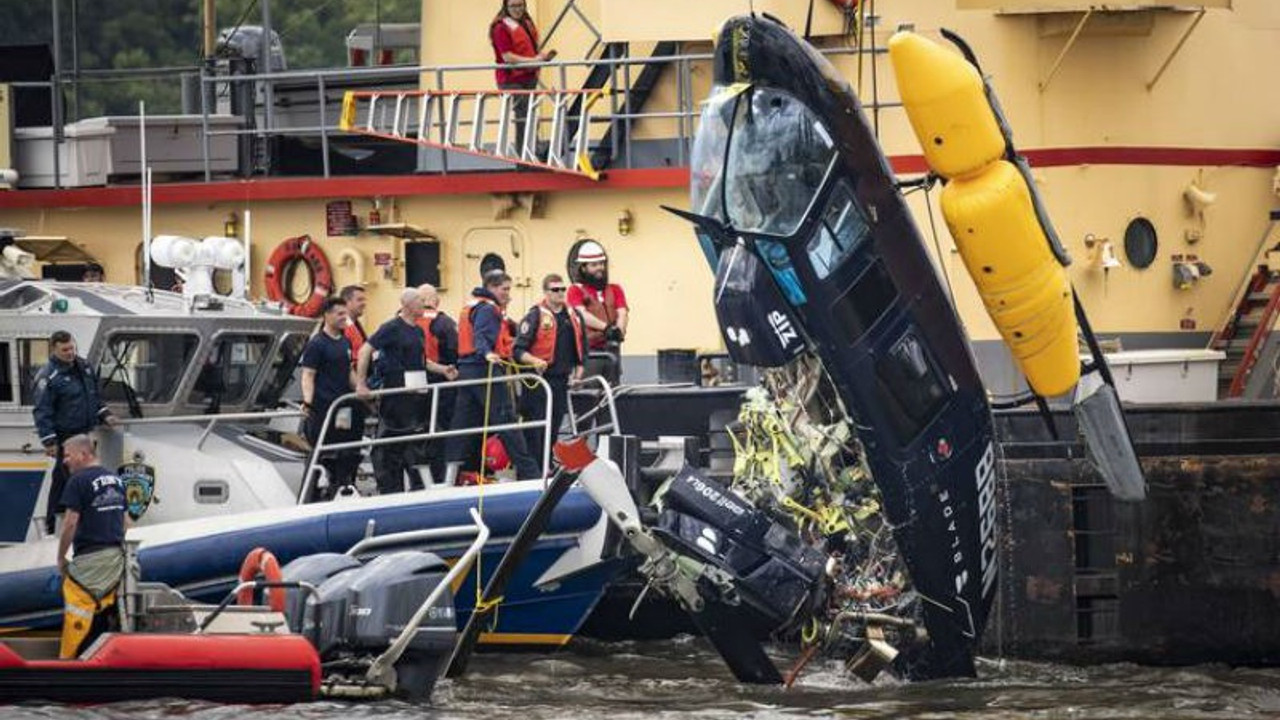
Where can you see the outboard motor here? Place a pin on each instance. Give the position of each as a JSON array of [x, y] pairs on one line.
[[774, 571], [317, 570], [360, 612]]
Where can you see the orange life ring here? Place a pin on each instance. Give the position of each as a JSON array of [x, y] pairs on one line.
[[280, 266], [260, 561]]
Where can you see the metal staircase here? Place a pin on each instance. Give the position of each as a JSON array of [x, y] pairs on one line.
[[633, 100], [481, 123], [1245, 334]]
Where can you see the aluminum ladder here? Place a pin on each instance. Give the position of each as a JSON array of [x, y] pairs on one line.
[[457, 120]]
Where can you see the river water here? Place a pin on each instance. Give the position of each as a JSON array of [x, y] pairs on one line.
[[684, 679]]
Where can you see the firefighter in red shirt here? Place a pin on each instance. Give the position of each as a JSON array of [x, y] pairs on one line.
[[604, 304], [552, 339], [515, 42]]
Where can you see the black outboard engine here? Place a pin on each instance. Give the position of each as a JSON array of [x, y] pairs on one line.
[[773, 570], [359, 612]]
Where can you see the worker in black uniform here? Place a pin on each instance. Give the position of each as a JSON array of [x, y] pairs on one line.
[[440, 333], [399, 346]]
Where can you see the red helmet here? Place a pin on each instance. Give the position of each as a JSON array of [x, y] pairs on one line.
[[495, 455]]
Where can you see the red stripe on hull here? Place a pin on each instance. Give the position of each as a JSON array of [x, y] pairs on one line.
[[492, 182]]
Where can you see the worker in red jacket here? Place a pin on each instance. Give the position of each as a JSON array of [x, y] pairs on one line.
[[552, 340], [515, 43], [605, 307]]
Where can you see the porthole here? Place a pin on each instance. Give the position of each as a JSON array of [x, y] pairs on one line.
[[1140, 243]]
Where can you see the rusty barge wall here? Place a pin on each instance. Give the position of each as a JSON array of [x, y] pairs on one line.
[[1191, 575]]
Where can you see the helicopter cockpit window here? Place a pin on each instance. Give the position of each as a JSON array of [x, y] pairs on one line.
[[776, 259], [706, 159], [758, 160], [778, 156], [842, 230]]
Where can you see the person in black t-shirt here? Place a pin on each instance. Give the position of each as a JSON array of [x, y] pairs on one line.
[[399, 347], [441, 335], [327, 375], [93, 530]]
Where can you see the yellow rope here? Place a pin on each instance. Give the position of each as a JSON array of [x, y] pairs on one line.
[[482, 605], [480, 482]]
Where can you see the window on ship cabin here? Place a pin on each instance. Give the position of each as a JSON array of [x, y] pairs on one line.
[[281, 373], [229, 370], [33, 353], [147, 367]]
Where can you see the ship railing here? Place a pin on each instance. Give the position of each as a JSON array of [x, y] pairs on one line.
[[557, 75], [433, 432]]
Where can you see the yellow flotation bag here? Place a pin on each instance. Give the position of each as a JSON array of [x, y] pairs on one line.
[[1025, 290], [990, 212]]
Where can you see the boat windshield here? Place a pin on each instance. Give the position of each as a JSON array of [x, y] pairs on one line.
[[758, 160]]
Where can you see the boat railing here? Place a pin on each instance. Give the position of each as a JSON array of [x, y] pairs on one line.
[[584, 423], [605, 405]]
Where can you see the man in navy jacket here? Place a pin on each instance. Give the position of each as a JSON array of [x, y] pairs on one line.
[[67, 403]]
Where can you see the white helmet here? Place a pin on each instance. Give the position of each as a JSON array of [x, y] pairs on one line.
[[590, 251]]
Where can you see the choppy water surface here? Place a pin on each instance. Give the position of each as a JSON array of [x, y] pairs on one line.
[[683, 678]]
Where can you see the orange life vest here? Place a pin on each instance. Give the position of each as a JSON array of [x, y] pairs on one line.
[[605, 309], [544, 340], [431, 343], [355, 335], [466, 333]]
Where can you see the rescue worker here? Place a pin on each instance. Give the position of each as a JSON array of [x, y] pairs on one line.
[[552, 339], [441, 349], [399, 346], [327, 374], [515, 43], [355, 297], [485, 342], [605, 307], [67, 403], [94, 530]]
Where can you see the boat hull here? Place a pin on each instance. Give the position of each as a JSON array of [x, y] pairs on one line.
[[202, 558], [239, 669]]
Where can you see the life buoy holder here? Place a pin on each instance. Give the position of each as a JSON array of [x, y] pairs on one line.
[[260, 561], [284, 262]]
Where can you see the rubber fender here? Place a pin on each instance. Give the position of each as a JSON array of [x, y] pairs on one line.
[[1026, 292], [947, 104]]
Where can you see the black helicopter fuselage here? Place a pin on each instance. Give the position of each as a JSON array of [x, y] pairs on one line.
[[816, 249]]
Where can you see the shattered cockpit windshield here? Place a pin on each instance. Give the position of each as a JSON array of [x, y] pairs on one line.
[[759, 158]]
